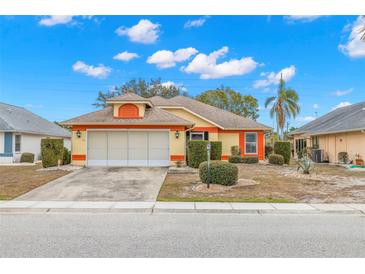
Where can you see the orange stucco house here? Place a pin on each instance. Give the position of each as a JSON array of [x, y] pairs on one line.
[[137, 131]]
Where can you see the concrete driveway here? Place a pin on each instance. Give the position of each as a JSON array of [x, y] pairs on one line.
[[102, 184]]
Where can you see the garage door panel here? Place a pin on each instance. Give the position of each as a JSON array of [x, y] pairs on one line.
[[97, 149]]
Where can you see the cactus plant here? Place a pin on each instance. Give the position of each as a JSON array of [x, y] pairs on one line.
[[305, 164]]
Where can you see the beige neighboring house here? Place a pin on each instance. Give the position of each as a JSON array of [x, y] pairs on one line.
[[136, 131], [341, 130]]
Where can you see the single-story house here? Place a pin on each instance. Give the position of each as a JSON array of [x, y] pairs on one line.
[[341, 130], [22, 131], [137, 131]]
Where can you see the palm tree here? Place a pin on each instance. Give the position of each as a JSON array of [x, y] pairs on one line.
[[285, 106]]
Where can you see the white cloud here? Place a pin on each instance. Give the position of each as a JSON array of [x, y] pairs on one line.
[[195, 23], [125, 56], [342, 92], [315, 106], [301, 18], [355, 47], [207, 67], [53, 20], [167, 59], [99, 71], [144, 32], [306, 118], [273, 78], [341, 105]]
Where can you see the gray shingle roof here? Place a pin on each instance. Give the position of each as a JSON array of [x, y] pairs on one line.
[[129, 97], [160, 101], [152, 116], [18, 119], [350, 118], [220, 117]]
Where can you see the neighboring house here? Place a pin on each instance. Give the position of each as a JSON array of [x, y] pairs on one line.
[[22, 131], [341, 130], [136, 131]]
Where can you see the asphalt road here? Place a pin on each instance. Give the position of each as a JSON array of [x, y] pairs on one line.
[[181, 235]]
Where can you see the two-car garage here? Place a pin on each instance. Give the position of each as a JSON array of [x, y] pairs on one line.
[[128, 148]]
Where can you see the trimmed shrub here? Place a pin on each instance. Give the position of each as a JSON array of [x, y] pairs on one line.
[[283, 149], [52, 151], [276, 159], [27, 157], [221, 172], [235, 159], [250, 160], [268, 150], [216, 150], [66, 156], [197, 153], [235, 150]]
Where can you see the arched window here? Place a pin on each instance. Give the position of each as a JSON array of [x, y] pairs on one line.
[[128, 111]]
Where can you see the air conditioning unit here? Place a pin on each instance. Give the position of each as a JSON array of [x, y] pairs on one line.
[[317, 155]]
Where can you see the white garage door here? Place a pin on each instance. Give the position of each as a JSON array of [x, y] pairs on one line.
[[128, 148]]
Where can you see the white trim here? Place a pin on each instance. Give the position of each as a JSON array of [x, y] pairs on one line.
[[246, 153]]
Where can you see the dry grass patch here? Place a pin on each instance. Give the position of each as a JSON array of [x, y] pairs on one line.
[[17, 180], [274, 184]]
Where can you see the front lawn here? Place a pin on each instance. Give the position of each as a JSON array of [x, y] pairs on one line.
[[269, 183], [17, 180]]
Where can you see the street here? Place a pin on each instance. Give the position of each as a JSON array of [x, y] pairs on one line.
[[181, 235]]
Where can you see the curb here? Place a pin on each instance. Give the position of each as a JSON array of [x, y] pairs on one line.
[[50, 207]]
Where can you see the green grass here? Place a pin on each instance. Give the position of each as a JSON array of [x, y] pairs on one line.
[[4, 197], [225, 199]]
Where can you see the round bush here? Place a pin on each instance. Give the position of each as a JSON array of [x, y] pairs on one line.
[[27, 157], [235, 150], [276, 159], [250, 160], [268, 150], [235, 159], [221, 172], [284, 149]]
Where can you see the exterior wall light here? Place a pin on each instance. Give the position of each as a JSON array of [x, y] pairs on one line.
[[78, 134], [177, 134]]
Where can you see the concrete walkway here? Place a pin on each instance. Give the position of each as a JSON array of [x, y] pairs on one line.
[[178, 207]]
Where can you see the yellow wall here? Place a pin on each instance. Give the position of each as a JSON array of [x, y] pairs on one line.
[[177, 146], [78, 146], [199, 122], [213, 136], [228, 140], [350, 142], [141, 108]]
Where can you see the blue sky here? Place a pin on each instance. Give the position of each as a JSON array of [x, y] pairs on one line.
[[54, 66]]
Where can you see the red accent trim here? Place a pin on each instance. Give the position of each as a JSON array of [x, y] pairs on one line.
[[128, 111], [85, 127], [177, 157], [242, 143], [224, 157], [261, 145], [78, 157], [117, 117], [209, 129]]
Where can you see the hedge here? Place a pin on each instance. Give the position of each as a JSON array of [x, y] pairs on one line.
[[250, 160], [276, 159], [66, 156], [216, 150], [235, 159], [197, 153], [221, 172], [268, 150], [235, 150], [283, 149], [27, 157], [52, 151]]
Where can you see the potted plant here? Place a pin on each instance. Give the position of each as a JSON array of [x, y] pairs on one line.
[[358, 160]]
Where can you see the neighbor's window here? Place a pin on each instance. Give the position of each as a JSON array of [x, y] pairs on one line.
[[197, 136], [251, 143], [315, 142], [300, 144], [18, 139]]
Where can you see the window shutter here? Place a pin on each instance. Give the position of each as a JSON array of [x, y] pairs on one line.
[[206, 135]]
